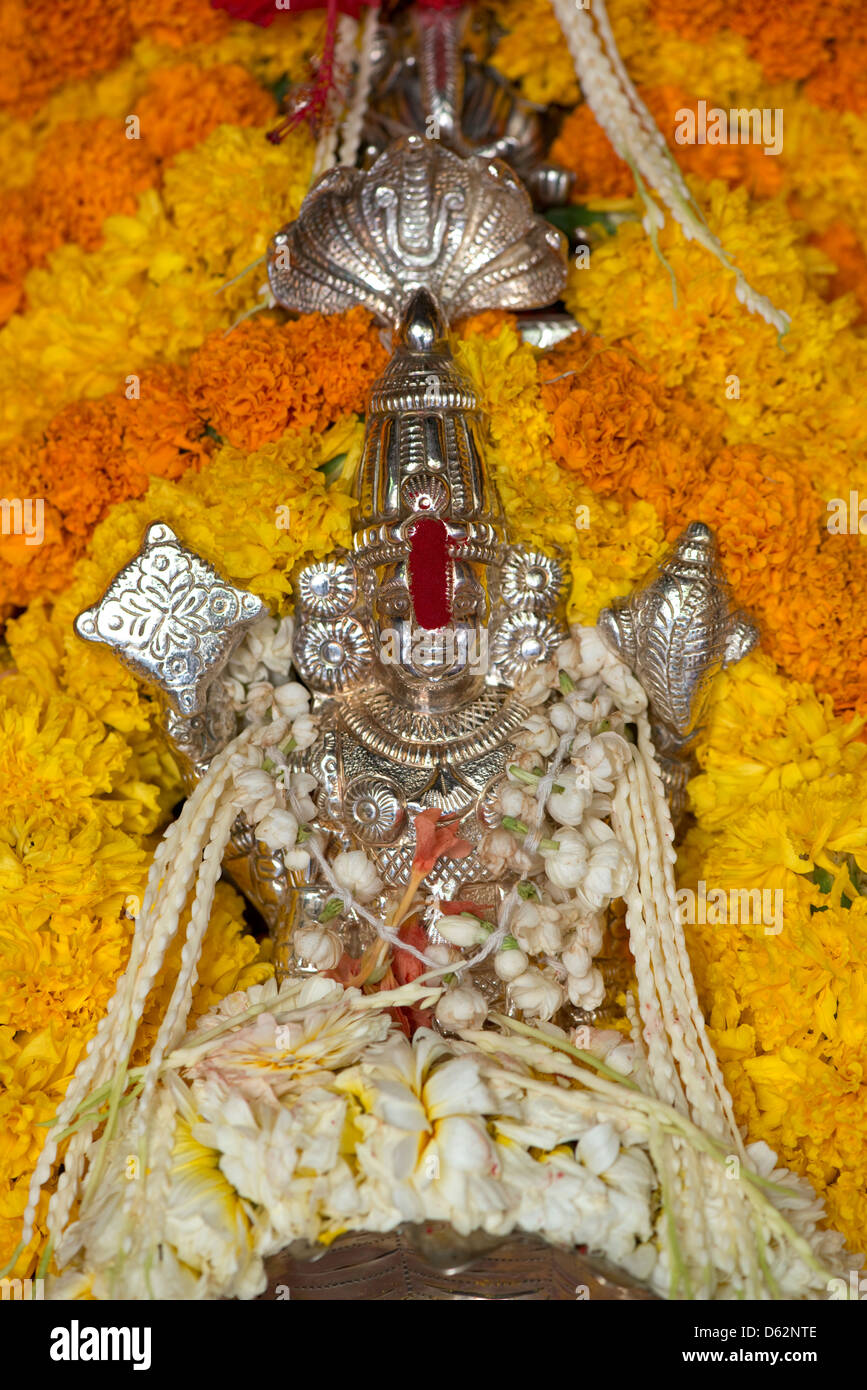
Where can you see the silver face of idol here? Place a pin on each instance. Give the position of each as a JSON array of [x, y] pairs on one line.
[[431, 666]]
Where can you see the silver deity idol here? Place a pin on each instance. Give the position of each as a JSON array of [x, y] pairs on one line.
[[415, 641]]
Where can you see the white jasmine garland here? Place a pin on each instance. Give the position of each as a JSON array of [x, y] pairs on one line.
[[292, 700], [357, 874], [609, 873], [586, 991], [567, 806], [296, 860], [463, 1007], [515, 801], [536, 928], [537, 735], [576, 957], [509, 963], [604, 760], [270, 734], [257, 794], [318, 947], [565, 866], [461, 929], [304, 731], [535, 994], [278, 829], [500, 852]]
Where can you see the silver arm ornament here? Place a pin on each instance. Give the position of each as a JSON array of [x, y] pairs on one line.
[[676, 631]]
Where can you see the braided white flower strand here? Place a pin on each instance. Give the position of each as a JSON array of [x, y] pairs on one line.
[[351, 134], [172, 872], [612, 97]]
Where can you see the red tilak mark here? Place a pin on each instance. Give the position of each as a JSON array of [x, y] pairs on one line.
[[429, 573]]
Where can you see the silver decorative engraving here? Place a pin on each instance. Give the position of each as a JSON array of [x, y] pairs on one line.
[[375, 808], [676, 631], [424, 82], [327, 588], [169, 615], [171, 618], [332, 655], [524, 640], [463, 229], [532, 580]]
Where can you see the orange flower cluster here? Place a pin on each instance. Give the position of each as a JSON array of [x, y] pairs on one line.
[[631, 437], [583, 147], [48, 42], [822, 43], [183, 104], [88, 170], [248, 387], [267, 377], [93, 455], [841, 244]]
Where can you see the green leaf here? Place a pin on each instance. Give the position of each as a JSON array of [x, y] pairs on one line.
[[280, 88], [332, 909], [569, 219], [823, 879], [333, 468]]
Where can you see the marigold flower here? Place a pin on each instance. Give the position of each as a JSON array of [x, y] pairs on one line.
[[181, 105], [266, 377]]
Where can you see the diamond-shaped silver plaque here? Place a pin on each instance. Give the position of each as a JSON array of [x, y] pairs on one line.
[[171, 618]]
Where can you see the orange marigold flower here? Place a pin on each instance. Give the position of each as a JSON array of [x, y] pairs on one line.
[[265, 378], [629, 436], [181, 105], [93, 455], [796, 38], [179, 22], [48, 42], [692, 19], [488, 323], [764, 517], [620, 428], [26, 569], [841, 244], [85, 172], [583, 147]]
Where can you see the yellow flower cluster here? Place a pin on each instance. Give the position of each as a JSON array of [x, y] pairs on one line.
[[795, 394], [86, 783], [607, 547], [150, 293], [781, 804], [531, 51]]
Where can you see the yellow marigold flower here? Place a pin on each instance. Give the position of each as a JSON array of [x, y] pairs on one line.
[[533, 53], [607, 547], [765, 733], [288, 45], [801, 391], [148, 293]]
